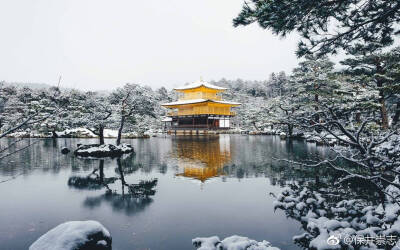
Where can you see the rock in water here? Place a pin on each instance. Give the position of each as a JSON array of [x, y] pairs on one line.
[[65, 150], [75, 235], [105, 150]]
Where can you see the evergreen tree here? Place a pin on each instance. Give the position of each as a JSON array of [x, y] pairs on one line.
[[380, 70], [356, 22], [130, 101], [96, 114]]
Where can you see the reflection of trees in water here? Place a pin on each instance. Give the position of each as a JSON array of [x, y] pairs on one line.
[[232, 155], [44, 156], [131, 198], [93, 181], [122, 203], [255, 156], [280, 174], [128, 165]]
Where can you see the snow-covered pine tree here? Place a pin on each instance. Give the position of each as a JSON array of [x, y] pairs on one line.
[[326, 25], [97, 113], [129, 101], [380, 71]]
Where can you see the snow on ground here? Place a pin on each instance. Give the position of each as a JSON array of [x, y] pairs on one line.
[[110, 133], [83, 132], [74, 235], [28, 134], [234, 242]]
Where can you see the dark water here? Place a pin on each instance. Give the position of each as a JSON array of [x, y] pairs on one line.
[[206, 186]]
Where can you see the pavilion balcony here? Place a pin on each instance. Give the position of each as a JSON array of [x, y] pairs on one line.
[[204, 96], [191, 113], [196, 127]]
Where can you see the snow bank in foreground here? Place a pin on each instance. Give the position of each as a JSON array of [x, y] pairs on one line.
[[75, 235], [105, 150], [231, 243]]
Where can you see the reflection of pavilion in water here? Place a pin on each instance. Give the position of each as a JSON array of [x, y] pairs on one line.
[[201, 157]]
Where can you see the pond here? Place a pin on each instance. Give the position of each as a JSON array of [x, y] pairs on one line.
[[207, 185]]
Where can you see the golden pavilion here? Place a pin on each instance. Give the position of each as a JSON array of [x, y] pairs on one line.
[[200, 108]]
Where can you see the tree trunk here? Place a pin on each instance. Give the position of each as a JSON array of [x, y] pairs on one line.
[[290, 130], [397, 114], [101, 134], [384, 115], [255, 126], [101, 169], [54, 134], [379, 84], [316, 99], [121, 173], [121, 126], [358, 117]]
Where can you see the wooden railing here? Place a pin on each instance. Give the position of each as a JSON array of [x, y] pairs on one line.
[[202, 126], [190, 112], [201, 96]]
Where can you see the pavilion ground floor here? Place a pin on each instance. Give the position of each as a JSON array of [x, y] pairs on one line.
[[197, 124]]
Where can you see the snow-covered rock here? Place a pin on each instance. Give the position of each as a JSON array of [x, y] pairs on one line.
[[206, 243], [234, 242], [105, 150], [75, 235]]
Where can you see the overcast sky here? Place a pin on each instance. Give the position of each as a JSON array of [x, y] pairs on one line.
[[102, 44]]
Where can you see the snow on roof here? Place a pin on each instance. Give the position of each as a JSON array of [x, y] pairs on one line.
[[199, 84], [227, 102], [184, 102], [192, 101]]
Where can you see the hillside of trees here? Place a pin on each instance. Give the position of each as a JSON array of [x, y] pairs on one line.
[[279, 102]]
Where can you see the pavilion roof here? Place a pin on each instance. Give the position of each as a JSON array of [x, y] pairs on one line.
[[199, 84], [193, 101]]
